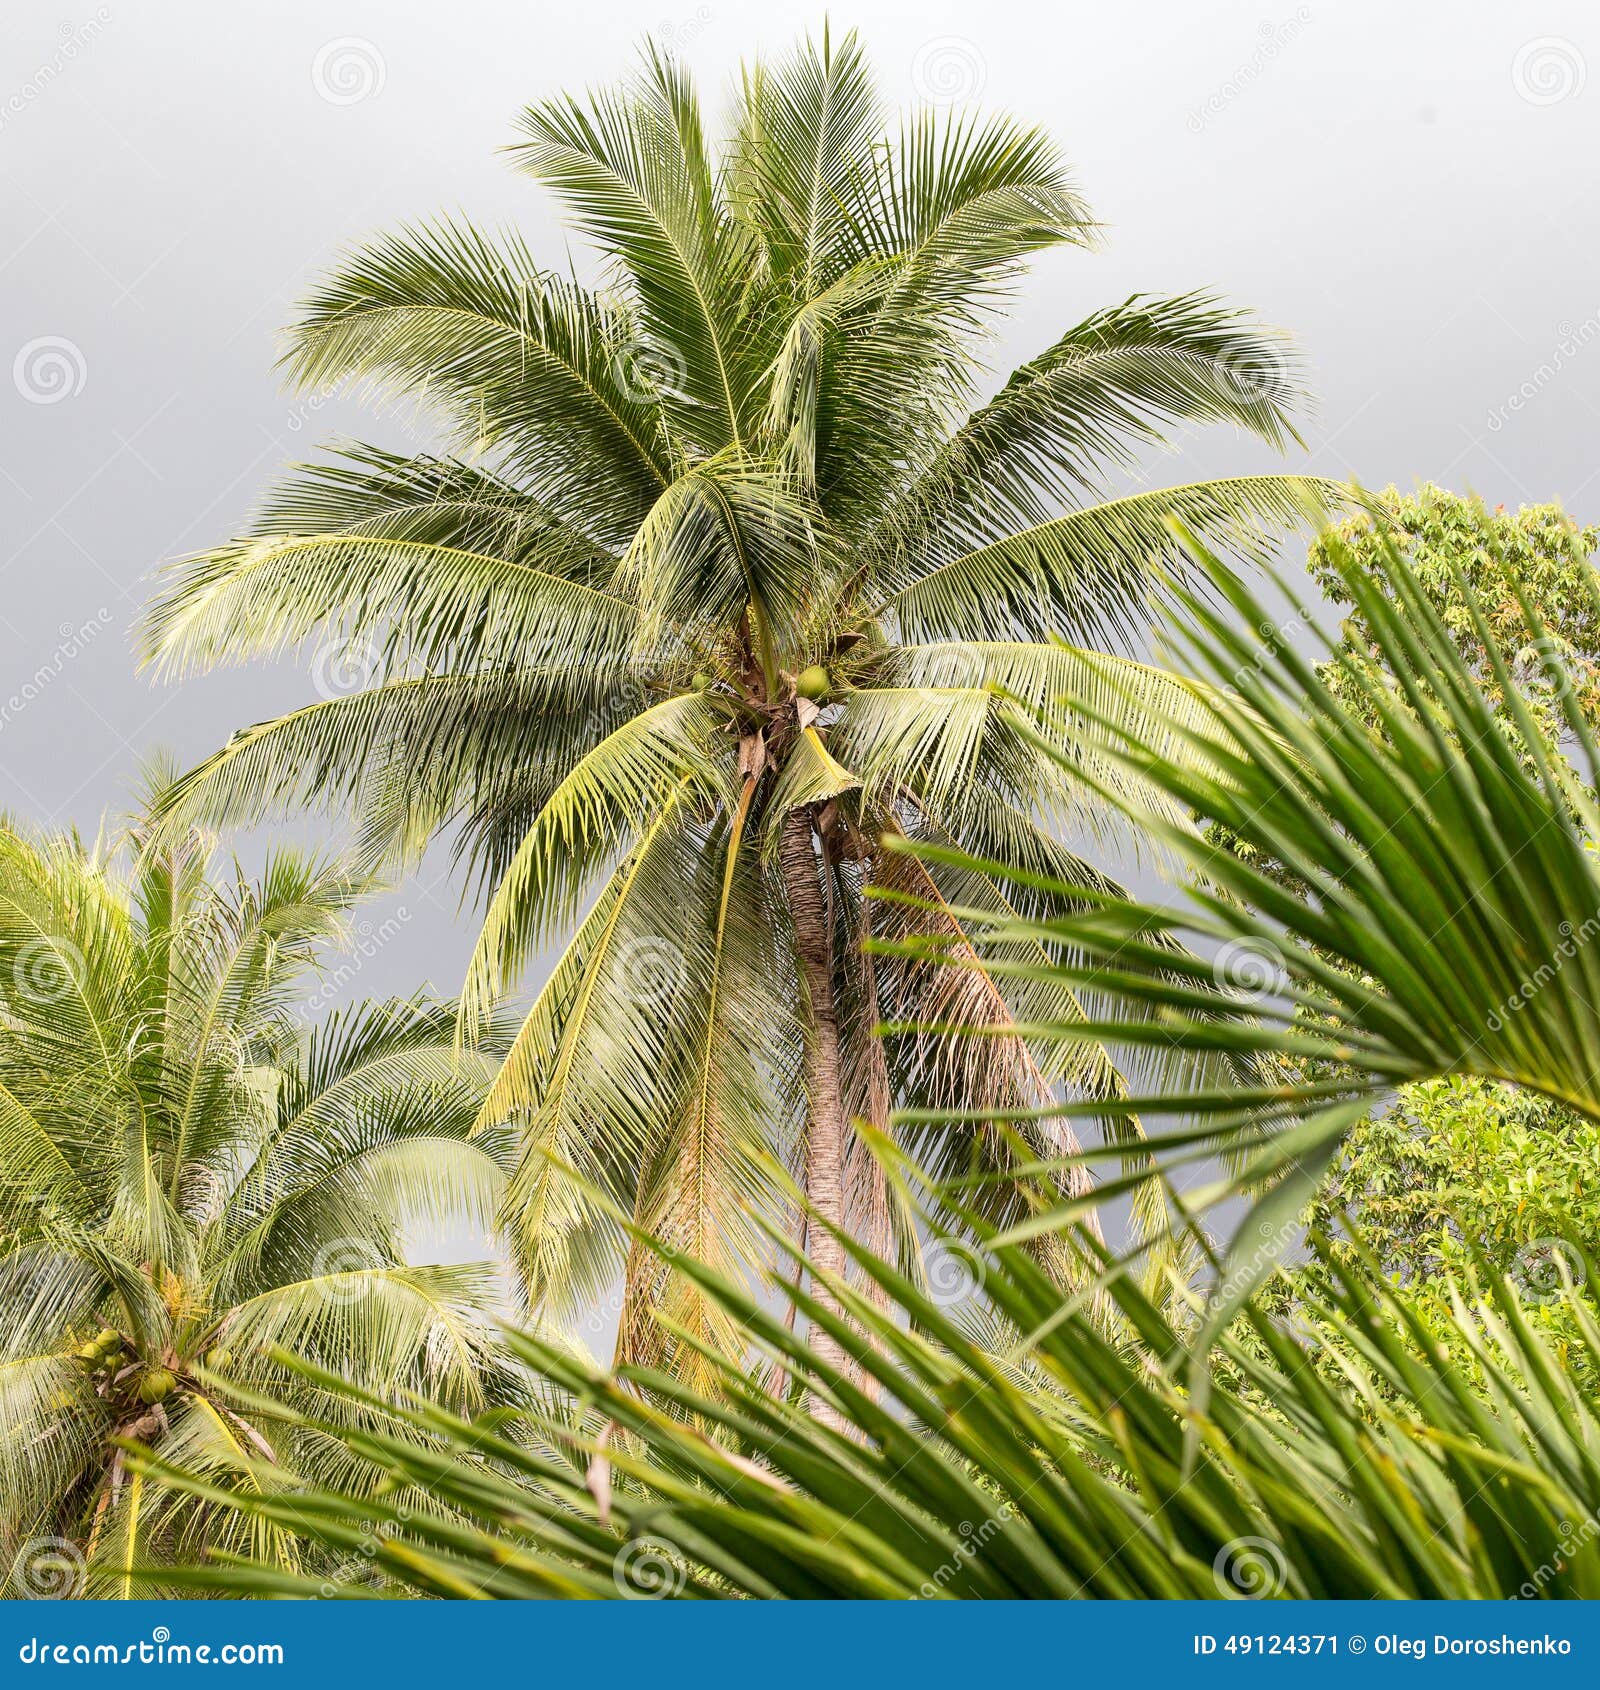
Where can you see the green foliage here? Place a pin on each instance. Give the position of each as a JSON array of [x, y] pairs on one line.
[[1053, 1462], [1417, 897], [1525, 575], [191, 1182], [1463, 1171], [581, 631]]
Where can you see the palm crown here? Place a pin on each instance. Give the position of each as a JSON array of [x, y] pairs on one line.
[[721, 580], [187, 1180]]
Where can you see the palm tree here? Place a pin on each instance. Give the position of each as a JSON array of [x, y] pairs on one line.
[[720, 583], [189, 1180]]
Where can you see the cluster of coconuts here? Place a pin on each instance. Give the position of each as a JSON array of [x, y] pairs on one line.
[[105, 1354]]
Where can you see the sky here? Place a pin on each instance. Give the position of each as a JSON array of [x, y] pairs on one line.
[[1408, 189]]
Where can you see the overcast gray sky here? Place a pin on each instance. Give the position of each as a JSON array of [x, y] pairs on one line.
[[1409, 189]]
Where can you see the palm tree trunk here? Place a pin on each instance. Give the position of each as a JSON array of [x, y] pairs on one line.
[[825, 1137]]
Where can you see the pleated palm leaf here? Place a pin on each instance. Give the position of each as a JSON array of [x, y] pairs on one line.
[[707, 597], [189, 1180], [1353, 1456], [1398, 881]]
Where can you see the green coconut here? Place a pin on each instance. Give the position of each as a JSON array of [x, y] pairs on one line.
[[157, 1385], [702, 681], [89, 1353], [813, 683], [218, 1360]]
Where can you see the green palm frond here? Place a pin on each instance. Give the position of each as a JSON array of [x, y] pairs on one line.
[[1353, 1457]]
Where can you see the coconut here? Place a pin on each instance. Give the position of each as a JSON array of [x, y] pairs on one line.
[[813, 683], [158, 1384], [89, 1353], [219, 1360]]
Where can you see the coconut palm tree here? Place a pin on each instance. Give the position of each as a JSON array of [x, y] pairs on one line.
[[724, 578], [189, 1180]]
